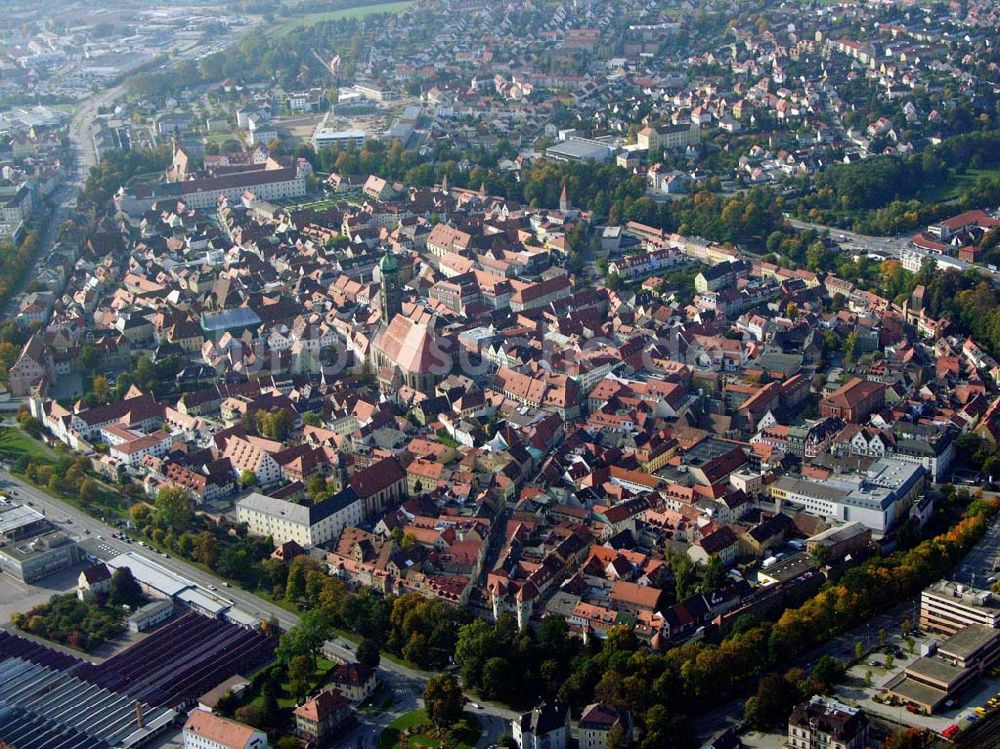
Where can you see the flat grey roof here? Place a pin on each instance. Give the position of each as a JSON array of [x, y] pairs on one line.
[[14, 516], [919, 693], [935, 668], [968, 640], [811, 489], [151, 574], [579, 149]]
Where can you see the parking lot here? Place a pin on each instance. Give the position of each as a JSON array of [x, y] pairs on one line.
[[16, 596], [977, 567]]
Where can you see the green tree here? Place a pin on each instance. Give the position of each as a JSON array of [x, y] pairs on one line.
[[299, 677], [206, 549], [714, 576], [850, 346], [247, 478], [617, 738], [173, 507], [89, 359], [368, 653], [295, 585], [827, 672], [88, 491], [772, 703], [496, 679], [270, 711], [443, 701], [124, 590]]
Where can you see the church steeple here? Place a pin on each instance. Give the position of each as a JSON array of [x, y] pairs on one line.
[[564, 204], [392, 295]]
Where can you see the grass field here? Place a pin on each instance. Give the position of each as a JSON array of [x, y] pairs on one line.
[[464, 736], [335, 15], [956, 185], [14, 444], [219, 138], [285, 699]]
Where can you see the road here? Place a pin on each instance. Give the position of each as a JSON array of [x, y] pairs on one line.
[[893, 246], [977, 564], [405, 683], [79, 524]]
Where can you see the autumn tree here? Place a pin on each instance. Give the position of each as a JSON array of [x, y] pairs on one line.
[[443, 701]]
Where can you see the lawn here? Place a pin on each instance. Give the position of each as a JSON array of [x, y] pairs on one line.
[[219, 138], [15, 444], [285, 699], [463, 736], [334, 15], [956, 184]]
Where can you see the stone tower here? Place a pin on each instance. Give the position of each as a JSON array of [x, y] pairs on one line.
[[392, 295]]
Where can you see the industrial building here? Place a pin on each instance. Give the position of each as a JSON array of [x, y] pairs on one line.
[[579, 149], [946, 669], [947, 607], [30, 546]]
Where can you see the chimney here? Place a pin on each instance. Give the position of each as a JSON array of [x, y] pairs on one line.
[[140, 719]]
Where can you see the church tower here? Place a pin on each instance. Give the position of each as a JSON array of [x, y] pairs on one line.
[[564, 204], [392, 295]]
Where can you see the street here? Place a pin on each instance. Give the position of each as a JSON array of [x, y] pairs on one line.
[[893, 246], [405, 683]]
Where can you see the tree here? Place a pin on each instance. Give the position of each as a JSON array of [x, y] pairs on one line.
[[368, 653], [317, 489], [101, 389], [772, 703], [616, 737], [275, 424], [827, 672], [270, 711], [295, 584], [124, 590], [890, 661], [496, 677], [881, 637], [821, 555], [247, 478], [684, 575], [910, 644], [250, 715], [206, 549], [173, 507], [443, 700], [850, 346], [714, 576], [868, 677], [859, 650], [88, 491], [299, 673], [911, 738], [89, 359]]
